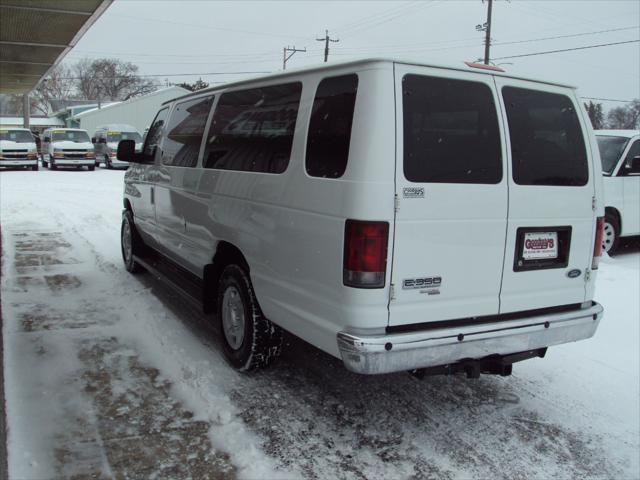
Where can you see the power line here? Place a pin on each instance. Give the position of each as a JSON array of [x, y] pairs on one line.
[[607, 99], [567, 36], [565, 50], [170, 75]]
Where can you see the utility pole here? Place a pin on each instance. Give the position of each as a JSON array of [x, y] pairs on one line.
[[326, 41], [487, 38], [286, 57]]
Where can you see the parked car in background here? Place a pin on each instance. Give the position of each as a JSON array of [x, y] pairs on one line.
[[395, 215], [106, 139], [18, 148], [620, 154], [67, 147]]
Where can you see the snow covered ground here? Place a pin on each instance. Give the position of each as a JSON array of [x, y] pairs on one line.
[[108, 374]]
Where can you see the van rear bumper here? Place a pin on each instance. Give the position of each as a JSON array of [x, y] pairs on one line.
[[408, 351]]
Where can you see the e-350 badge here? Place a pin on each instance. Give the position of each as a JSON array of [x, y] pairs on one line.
[[429, 285]]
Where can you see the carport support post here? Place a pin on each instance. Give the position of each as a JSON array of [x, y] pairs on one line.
[[26, 110]]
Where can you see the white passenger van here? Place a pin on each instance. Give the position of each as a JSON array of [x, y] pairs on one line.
[[18, 148], [620, 153], [67, 147], [105, 141], [397, 216]]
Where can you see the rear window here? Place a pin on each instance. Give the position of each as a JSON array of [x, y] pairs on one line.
[[547, 145], [185, 130], [330, 126], [252, 130], [450, 131], [611, 149]]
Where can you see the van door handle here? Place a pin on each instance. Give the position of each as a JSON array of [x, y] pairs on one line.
[[153, 197]]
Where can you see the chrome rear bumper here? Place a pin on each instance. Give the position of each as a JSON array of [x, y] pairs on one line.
[[407, 351]]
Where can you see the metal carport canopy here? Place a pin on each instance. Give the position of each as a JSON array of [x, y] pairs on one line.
[[35, 35]]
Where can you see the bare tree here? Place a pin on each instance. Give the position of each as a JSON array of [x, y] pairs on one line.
[[110, 79], [596, 114], [625, 118], [195, 86]]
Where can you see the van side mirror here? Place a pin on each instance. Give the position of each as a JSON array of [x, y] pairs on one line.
[[633, 166], [47, 139], [93, 139], [127, 151]]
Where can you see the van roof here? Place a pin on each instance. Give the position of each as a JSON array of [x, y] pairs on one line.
[[357, 63], [618, 133]]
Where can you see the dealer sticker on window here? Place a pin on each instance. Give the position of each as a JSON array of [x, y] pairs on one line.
[[539, 245]]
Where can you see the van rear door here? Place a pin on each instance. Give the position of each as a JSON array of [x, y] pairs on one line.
[[550, 229], [451, 197]]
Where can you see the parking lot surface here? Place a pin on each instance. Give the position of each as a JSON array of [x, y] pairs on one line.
[[113, 375]]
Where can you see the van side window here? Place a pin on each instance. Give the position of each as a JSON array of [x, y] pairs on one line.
[[154, 135], [451, 132], [330, 126], [252, 130], [184, 132], [634, 151], [547, 145]]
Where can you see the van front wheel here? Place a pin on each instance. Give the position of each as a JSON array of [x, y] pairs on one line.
[[610, 234], [249, 339], [129, 243]]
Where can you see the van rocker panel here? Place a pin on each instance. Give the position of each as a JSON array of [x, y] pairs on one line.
[[376, 354]]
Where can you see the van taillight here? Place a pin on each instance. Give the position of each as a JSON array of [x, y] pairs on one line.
[[365, 253], [597, 248]]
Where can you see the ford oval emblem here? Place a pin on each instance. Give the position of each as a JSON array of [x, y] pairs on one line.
[[575, 273]]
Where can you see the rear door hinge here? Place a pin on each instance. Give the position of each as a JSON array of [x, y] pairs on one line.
[[593, 203], [392, 292], [587, 275], [396, 203]]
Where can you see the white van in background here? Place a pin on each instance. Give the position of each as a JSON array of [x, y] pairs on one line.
[[18, 148], [620, 153], [105, 141], [396, 215], [67, 147]]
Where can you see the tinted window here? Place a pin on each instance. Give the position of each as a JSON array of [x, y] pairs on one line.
[[611, 149], [185, 129], [153, 136], [547, 146], [118, 136], [252, 130], [450, 131], [330, 126]]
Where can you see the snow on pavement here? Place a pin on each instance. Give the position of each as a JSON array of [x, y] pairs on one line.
[[108, 374]]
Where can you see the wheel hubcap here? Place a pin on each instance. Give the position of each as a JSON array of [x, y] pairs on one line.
[[127, 249], [233, 321], [608, 236]]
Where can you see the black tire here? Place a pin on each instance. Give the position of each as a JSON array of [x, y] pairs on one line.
[[611, 234], [44, 163], [35, 168], [107, 162], [128, 229], [91, 168], [52, 166], [261, 341]]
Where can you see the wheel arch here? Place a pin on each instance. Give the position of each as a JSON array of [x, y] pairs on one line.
[[226, 253], [616, 214]]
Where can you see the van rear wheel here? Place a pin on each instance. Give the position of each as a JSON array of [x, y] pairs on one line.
[[130, 243], [249, 339], [610, 234]]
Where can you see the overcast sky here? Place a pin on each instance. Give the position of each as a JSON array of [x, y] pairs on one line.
[[179, 37]]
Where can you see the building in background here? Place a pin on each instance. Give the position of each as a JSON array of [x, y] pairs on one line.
[[36, 124], [138, 111]]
